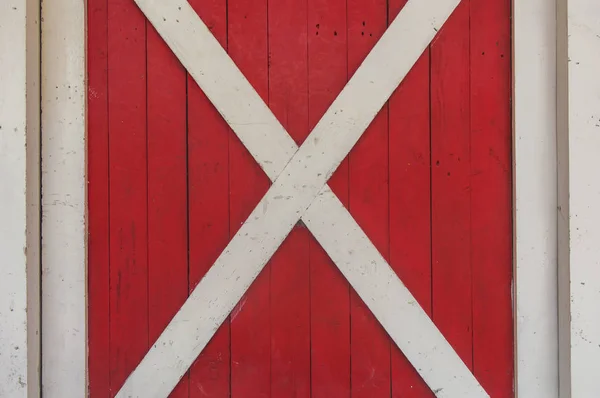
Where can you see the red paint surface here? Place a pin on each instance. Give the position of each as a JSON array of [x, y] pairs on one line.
[[329, 291], [410, 202], [491, 195], [370, 345], [251, 318], [429, 182], [290, 267], [167, 189], [208, 185], [98, 238], [128, 185]]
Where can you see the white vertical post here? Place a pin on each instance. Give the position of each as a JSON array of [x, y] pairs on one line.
[[535, 198], [64, 339], [579, 196], [19, 199]]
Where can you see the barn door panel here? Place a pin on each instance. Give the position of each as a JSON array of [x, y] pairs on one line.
[[429, 182]]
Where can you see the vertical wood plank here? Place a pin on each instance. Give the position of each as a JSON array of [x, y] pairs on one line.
[[290, 289], [20, 209], [491, 195], [98, 200], [330, 299], [578, 28], [128, 189], [410, 202], [450, 192], [208, 182], [167, 189], [368, 204], [535, 197], [250, 319]]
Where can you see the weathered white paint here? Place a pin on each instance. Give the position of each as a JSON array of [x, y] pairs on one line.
[[19, 199], [64, 345], [535, 198], [579, 196], [304, 175]]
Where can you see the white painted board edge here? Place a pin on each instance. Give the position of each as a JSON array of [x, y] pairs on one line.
[[19, 199], [579, 190], [535, 198], [64, 304]]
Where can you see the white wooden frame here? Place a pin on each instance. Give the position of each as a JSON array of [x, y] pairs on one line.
[[19, 198], [535, 198], [579, 196], [537, 225], [64, 267]]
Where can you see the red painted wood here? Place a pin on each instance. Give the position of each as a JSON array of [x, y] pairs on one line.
[[450, 192], [167, 189], [491, 195], [410, 202], [368, 204], [98, 249], [128, 189], [290, 267], [444, 219], [330, 294], [208, 184], [250, 319]]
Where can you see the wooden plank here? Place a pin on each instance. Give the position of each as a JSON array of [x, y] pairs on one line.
[[20, 198], [64, 308], [290, 267], [128, 189], [378, 285], [167, 188], [98, 199], [491, 195], [329, 291], [410, 202], [250, 333], [535, 199], [450, 180], [208, 184], [368, 204], [578, 144]]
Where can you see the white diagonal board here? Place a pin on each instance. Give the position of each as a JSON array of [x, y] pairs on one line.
[[292, 192]]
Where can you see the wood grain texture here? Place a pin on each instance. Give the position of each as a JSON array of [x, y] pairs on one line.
[[250, 319], [368, 204], [491, 195], [410, 202], [290, 266], [98, 200], [208, 184], [128, 189], [167, 188], [450, 180], [296, 333], [330, 293]]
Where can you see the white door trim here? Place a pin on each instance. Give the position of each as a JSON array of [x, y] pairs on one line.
[[579, 196], [535, 198], [64, 304], [19, 199]]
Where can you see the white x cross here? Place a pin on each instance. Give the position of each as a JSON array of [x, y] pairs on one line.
[[299, 191]]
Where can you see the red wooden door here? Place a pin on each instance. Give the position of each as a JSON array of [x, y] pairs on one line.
[[429, 182]]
